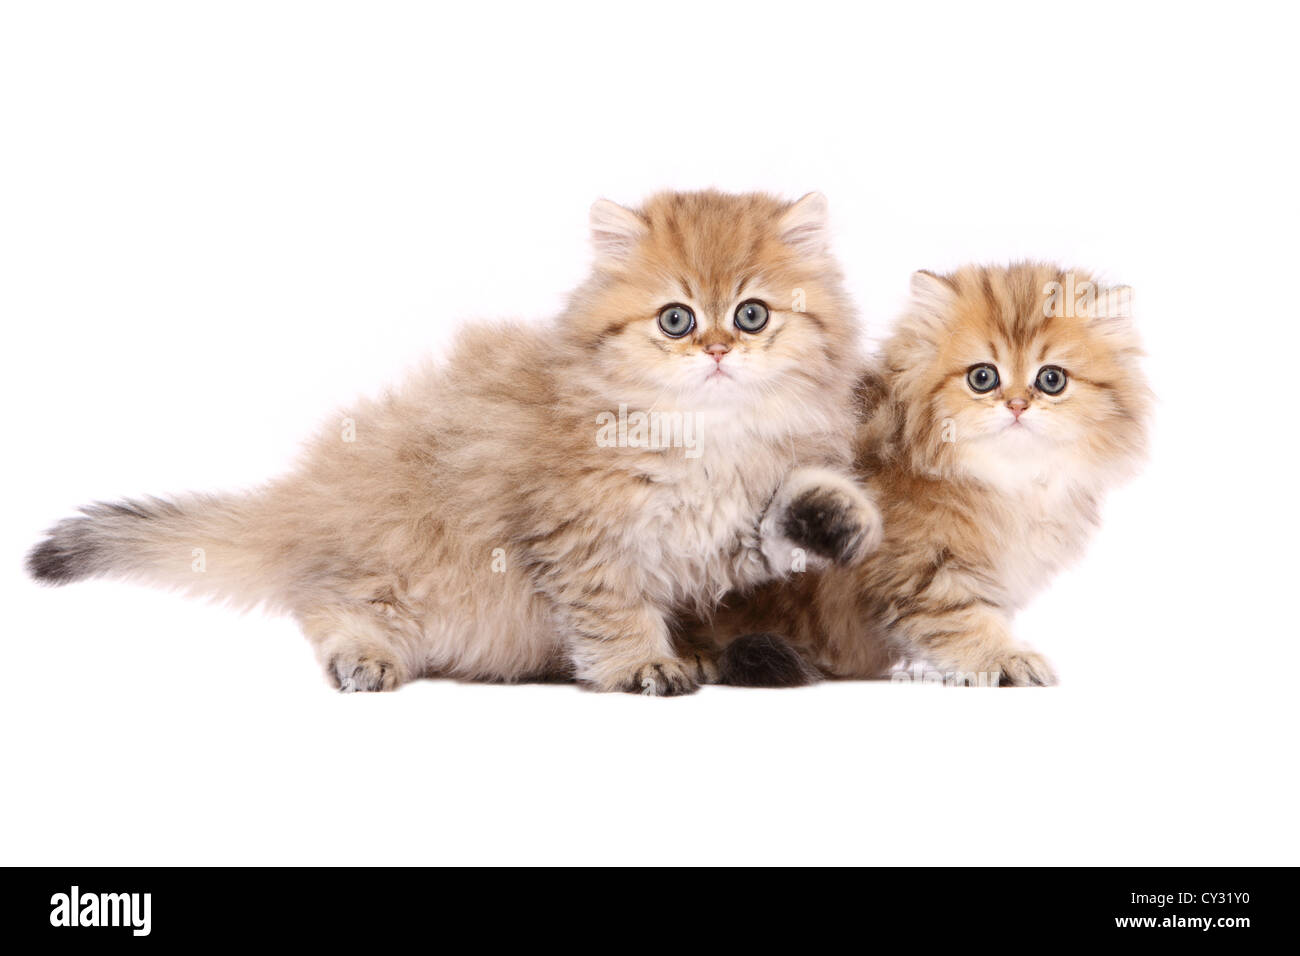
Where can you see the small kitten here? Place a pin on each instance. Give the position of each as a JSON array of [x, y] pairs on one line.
[[1003, 406], [543, 504]]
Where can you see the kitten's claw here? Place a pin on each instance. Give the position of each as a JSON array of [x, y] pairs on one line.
[[1025, 668], [352, 675]]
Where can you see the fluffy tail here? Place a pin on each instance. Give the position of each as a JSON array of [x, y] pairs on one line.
[[764, 660], [212, 546]]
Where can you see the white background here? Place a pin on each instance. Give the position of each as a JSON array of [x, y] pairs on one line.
[[220, 222]]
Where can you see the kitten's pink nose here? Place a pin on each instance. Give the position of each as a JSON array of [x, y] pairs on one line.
[[1017, 405], [718, 350]]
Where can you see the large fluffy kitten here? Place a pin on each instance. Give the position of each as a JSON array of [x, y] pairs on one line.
[[1004, 405], [546, 501]]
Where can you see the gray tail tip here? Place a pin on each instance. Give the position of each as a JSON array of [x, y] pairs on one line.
[[764, 660], [61, 558]]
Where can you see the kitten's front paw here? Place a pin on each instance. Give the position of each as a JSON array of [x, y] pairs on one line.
[[666, 677], [828, 515], [703, 665], [1024, 668], [353, 674]]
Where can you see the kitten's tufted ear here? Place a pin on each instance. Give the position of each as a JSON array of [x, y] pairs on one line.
[[615, 231], [803, 226], [932, 295]]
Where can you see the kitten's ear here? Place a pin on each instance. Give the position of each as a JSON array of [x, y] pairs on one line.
[[932, 295], [615, 232], [803, 226]]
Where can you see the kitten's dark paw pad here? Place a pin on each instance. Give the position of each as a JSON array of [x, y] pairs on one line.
[[764, 660], [1025, 669], [665, 678], [353, 675], [832, 523]]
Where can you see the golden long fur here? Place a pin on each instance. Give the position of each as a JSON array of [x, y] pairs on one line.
[[981, 507], [473, 524]]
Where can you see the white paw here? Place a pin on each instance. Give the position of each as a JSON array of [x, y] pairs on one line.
[[1025, 668], [361, 674]]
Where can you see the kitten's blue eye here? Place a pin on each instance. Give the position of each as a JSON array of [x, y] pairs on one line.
[[1051, 380], [982, 378], [751, 316], [676, 320]]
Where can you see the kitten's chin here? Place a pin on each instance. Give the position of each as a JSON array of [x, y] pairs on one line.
[[1019, 435], [1009, 458], [719, 388]]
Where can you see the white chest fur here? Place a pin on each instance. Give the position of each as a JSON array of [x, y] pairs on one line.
[[1045, 525], [697, 534]]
